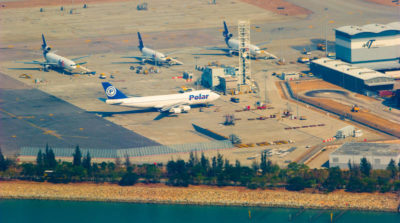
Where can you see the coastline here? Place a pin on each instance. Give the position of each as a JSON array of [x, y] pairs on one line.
[[199, 195]]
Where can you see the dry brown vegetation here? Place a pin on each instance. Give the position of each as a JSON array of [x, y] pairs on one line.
[[204, 195]]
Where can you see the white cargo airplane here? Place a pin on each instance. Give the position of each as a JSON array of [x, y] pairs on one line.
[[54, 61], [152, 56], [233, 46], [172, 103]]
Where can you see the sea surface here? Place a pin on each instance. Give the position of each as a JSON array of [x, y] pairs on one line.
[[43, 211]]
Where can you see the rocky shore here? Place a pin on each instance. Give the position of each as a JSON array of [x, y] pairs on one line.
[[200, 195]]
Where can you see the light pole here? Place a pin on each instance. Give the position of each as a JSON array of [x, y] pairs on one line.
[[326, 32], [195, 59], [265, 88], [297, 99]]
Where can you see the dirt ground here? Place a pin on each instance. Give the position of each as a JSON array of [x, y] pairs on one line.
[[312, 85], [286, 8]]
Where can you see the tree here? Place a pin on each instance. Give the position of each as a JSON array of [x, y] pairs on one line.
[[77, 161], [220, 163], [103, 165], [39, 159], [263, 164], [334, 180], [28, 169], [4, 163], [355, 184], [152, 173], [297, 184], [398, 165], [205, 163], [365, 167], [127, 161], [177, 173], [193, 160], [392, 168], [129, 179], [87, 162], [50, 158]]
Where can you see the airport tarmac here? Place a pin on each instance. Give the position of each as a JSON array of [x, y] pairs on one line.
[[30, 117], [94, 31]]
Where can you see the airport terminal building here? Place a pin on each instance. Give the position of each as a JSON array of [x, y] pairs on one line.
[[373, 46], [351, 77], [378, 154]]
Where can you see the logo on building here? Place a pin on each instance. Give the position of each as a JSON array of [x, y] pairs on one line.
[[368, 44], [111, 91]]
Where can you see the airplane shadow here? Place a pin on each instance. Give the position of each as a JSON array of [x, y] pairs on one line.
[[110, 114], [127, 62], [60, 71], [160, 116]]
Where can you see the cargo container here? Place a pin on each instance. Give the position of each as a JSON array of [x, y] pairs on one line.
[[386, 93]]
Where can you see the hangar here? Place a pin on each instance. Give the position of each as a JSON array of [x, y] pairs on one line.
[[351, 77], [375, 46], [378, 154]]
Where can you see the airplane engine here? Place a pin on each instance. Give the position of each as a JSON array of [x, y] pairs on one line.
[[143, 61], [231, 52], [185, 108], [175, 110], [46, 67]]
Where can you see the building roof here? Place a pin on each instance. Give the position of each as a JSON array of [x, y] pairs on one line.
[[368, 149], [383, 65], [370, 77], [370, 28]]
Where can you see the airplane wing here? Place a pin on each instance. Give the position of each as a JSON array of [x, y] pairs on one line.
[[177, 62], [211, 54], [24, 69], [81, 63], [224, 49], [270, 54], [263, 43], [138, 57], [37, 62], [217, 48], [171, 52], [78, 58]]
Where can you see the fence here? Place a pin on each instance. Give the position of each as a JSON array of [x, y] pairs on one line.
[[133, 152]]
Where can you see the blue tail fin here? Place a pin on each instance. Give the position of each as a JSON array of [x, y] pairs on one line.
[[140, 41], [226, 33], [112, 92], [45, 48]]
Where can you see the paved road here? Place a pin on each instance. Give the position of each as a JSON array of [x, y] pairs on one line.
[[375, 107]]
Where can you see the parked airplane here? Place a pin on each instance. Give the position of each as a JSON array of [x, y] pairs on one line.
[[233, 46], [54, 61], [152, 56], [172, 103]]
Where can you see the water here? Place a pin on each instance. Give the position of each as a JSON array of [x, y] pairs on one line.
[[38, 211]]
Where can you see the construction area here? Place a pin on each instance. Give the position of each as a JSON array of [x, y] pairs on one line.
[[293, 119]]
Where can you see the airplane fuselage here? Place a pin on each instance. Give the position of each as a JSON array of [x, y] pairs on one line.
[[160, 101], [154, 55], [61, 62], [233, 45]]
